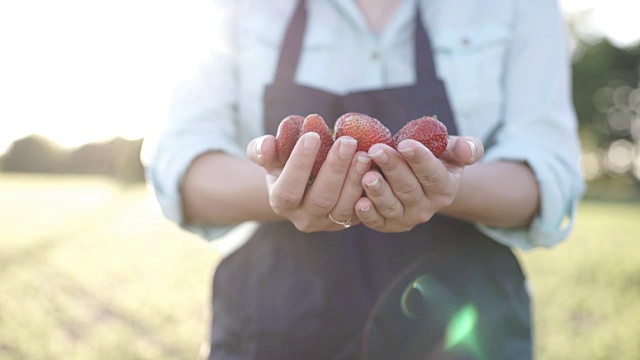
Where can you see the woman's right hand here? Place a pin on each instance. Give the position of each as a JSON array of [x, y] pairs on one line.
[[333, 193]]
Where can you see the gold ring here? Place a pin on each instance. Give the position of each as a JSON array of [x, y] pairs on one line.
[[345, 224]]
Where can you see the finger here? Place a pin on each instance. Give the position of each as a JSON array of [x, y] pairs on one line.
[[325, 191], [262, 151], [352, 188], [381, 195], [463, 150], [367, 214], [432, 174], [398, 174], [288, 190]]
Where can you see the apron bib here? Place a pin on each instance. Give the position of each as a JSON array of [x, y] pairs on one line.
[[441, 291]]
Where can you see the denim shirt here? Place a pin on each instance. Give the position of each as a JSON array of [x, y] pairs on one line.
[[505, 64]]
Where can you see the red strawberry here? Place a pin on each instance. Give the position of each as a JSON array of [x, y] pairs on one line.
[[289, 132], [365, 129], [315, 123], [427, 130]]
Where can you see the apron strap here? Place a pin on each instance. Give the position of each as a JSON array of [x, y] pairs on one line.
[[425, 66], [294, 36], [292, 45]]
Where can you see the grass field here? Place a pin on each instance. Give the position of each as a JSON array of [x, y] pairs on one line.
[[90, 270]]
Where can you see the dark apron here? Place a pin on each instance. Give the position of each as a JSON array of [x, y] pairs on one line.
[[440, 291]]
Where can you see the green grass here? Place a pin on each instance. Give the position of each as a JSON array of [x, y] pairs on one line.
[[90, 270], [587, 290]]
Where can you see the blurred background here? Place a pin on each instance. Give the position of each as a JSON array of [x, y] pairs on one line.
[[89, 269]]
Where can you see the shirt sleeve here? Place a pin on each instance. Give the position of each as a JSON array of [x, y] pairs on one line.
[[201, 119], [540, 126]]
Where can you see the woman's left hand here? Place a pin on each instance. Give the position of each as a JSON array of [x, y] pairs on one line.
[[416, 184]]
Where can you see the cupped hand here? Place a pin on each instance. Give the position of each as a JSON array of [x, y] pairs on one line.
[[416, 184], [333, 192]]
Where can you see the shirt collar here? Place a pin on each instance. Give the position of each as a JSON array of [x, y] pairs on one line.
[[402, 19]]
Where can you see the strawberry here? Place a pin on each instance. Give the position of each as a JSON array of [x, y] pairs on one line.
[[287, 136], [315, 123], [428, 131], [365, 129]]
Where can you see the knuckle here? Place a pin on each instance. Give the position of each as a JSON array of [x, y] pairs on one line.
[[430, 178], [377, 224], [282, 199], [423, 217], [341, 215], [406, 190], [305, 225], [390, 210], [336, 167], [300, 162], [276, 207], [305, 228], [391, 165], [408, 224], [323, 200]]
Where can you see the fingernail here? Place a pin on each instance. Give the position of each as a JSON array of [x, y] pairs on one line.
[[373, 184], [472, 145], [362, 164], [365, 208], [311, 141], [406, 151], [347, 147], [259, 146], [379, 156]]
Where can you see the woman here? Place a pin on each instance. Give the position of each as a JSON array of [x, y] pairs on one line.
[[330, 273]]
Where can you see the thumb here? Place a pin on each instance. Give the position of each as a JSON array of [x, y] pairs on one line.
[[262, 151], [463, 150]]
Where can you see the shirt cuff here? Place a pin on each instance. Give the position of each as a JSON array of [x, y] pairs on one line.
[[560, 185]]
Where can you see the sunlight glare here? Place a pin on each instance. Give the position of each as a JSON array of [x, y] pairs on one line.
[[81, 71], [615, 19], [618, 20]]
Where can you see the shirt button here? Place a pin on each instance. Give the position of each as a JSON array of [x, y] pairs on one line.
[[465, 41], [375, 55]]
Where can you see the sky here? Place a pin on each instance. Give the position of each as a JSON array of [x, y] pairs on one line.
[[84, 70], [78, 71]]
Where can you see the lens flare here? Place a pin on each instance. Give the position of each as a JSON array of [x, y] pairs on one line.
[[462, 326], [426, 295]]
